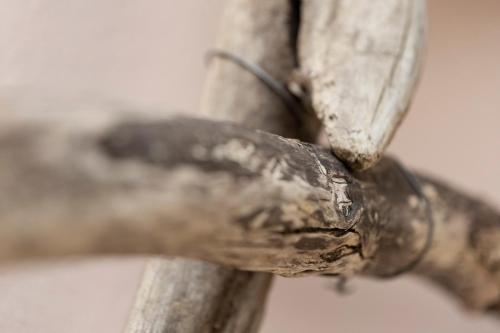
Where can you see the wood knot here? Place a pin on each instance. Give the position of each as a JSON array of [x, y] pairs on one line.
[[348, 210]]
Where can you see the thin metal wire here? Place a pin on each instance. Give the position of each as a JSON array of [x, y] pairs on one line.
[[294, 104], [417, 188], [291, 101]]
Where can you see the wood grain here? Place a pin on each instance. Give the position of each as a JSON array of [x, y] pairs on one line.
[[136, 184], [257, 31], [361, 60], [181, 295]]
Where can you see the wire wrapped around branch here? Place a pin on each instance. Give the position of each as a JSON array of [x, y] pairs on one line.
[[230, 195]]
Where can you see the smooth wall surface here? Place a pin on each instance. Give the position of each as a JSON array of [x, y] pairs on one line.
[[151, 53]]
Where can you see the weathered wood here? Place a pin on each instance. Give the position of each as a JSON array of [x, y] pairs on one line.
[[180, 295], [361, 61], [355, 62], [130, 185], [262, 33], [258, 31]]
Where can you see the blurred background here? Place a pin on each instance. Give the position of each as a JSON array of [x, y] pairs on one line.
[[150, 53]]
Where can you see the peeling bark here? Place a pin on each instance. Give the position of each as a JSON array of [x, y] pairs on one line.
[[129, 185]]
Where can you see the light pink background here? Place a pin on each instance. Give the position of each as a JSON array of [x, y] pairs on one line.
[[150, 53]]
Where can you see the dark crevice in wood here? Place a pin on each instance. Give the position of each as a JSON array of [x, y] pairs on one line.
[[227, 307], [337, 232], [341, 252], [295, 18]]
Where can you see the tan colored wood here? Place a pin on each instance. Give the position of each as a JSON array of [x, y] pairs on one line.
[[98, 181], [181, 295], [93, 183], [258, 32], [361, 61]]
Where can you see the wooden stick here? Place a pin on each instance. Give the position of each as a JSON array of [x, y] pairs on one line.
[[182, 296], [259, 33], [233, 196], [361, 60]]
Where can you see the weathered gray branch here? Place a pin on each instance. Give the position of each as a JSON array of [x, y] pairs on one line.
[[361, 60], [264, 34], [258, 32], [253, 29], [230, 195], [354, 63], [180, 295]]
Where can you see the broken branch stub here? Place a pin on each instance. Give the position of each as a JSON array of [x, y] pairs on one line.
[[361, 60]]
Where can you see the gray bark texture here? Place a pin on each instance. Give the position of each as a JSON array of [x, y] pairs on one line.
[[256, 31], [137, 184], [76, 180], [361, 60], [182, 296], [352, 64]]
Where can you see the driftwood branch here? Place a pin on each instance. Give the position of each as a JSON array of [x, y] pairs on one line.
[[264, 34], [104, 182], [183, 296], [361, 61], [257, 31], [355, 64], [180, 295], [233, 196]]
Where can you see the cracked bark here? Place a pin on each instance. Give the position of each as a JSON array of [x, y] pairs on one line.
[[160, 187]]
